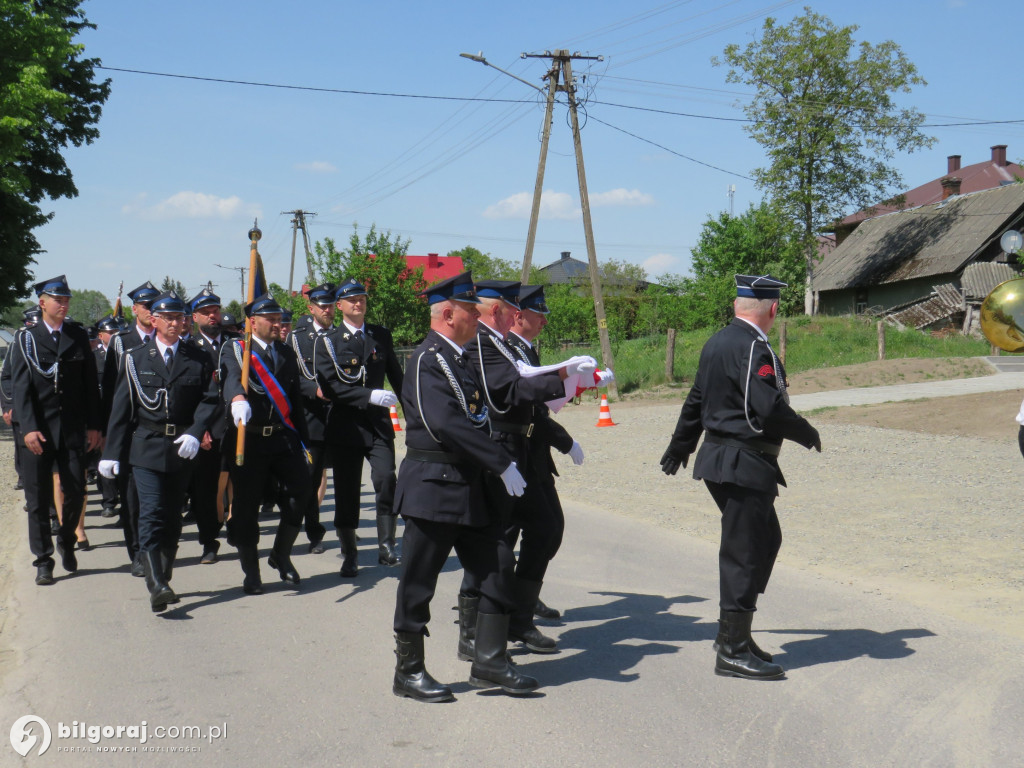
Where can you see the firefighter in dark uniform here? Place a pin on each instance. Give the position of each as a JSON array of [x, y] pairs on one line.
[[739, 402], [538, 514], [352, 364], [165, 401], [142, 297], [442, 499], [56, 399], [29, 318], [511, 399], [203, 487], [270, 411], [105, 329], [302, 340]]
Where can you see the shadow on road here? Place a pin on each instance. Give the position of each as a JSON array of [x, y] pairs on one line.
[[834, 645], [618, 636]]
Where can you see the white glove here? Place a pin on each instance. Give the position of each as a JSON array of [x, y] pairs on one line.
[[603, 377], [576, 453], [383, 398], [582, 364], [513, 480], [241, 412], [189, 446], [109, 468]]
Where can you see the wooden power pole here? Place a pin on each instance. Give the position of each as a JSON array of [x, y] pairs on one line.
[[299, 222]]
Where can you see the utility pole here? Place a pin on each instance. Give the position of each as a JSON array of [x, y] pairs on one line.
[[299, 222], [560, 78], [241, 279], [732, 194]]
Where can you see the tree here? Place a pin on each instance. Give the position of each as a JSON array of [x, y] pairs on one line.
[[762, 240], [378, 262], [174, 285], [486, 267], [49, 100], [826, 117], [88, 306]]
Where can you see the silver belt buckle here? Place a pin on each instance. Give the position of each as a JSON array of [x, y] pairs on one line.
[[268, 431], [170, 430], [529, 430]]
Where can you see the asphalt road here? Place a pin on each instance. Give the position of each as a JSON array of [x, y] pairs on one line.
[[304, 677]]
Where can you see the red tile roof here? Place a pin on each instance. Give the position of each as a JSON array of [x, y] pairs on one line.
[[988, 174], [436, 267]]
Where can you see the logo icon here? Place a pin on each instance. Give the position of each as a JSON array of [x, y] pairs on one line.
[[23, 737]]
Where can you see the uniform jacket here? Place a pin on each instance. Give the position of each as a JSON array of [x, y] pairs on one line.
[[191, 406], [505, 390], [353, 420], [119, 344], [221, 423], [302, 340], [286, 371], [66, 404], [6, 384], [446, 492], [547, 433], [737, 366]]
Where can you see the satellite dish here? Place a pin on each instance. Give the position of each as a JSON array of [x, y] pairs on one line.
[[1011, 241]]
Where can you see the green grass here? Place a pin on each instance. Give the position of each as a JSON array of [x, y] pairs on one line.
[[811, 343]]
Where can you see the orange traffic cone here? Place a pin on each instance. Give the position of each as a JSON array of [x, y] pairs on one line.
[[394, 419], [605, 419]]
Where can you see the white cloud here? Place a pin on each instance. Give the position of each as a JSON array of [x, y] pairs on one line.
[[553, 205], [317, 166], [621, 197], [192, 205], [662, 263]]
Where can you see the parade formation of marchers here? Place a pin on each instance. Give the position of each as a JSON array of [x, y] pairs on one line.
[[182, 416]]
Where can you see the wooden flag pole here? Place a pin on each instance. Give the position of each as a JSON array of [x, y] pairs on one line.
[[254, 238]]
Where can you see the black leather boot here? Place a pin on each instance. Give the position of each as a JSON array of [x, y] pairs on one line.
[[387, 551], [521, 626], [137, 567], [281, 555], [160, 594], [411, 677], [350, 551], [249, 557], [735, 657], [720, 638], [468, 606], [491, 665], [167, 556], [542, 611]]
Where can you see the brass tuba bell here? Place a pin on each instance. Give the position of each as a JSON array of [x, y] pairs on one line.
[[1002, 315]]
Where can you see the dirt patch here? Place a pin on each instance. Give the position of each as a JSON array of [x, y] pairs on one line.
[[886, 372]]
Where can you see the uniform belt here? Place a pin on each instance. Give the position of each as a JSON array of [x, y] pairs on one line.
[[265, 430], [162, 428], [748, 445], [512, 427], [439, 457]]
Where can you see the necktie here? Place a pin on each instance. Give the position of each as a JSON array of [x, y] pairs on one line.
[[359, 335], [56, 338], [168, 358]]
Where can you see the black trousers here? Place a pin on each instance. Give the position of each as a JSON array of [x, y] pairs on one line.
[[751, 538], [536, 515], [202, 490], [37, 477], [425, 548], [128, 515], [315, 530], [347, 463], [161, 496], [280, 455]]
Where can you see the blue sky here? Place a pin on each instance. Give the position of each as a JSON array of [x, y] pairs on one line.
[[182, 167]]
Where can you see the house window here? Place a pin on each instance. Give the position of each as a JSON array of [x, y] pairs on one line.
[[860, 301]]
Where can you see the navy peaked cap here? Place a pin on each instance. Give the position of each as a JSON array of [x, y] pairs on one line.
[[55, 286], [506, 290], [350, 289], [758, 286], [322, 294], [168, 301], [205, 298], [263, 305], [144, 294], [532, 297], [458, 288]]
